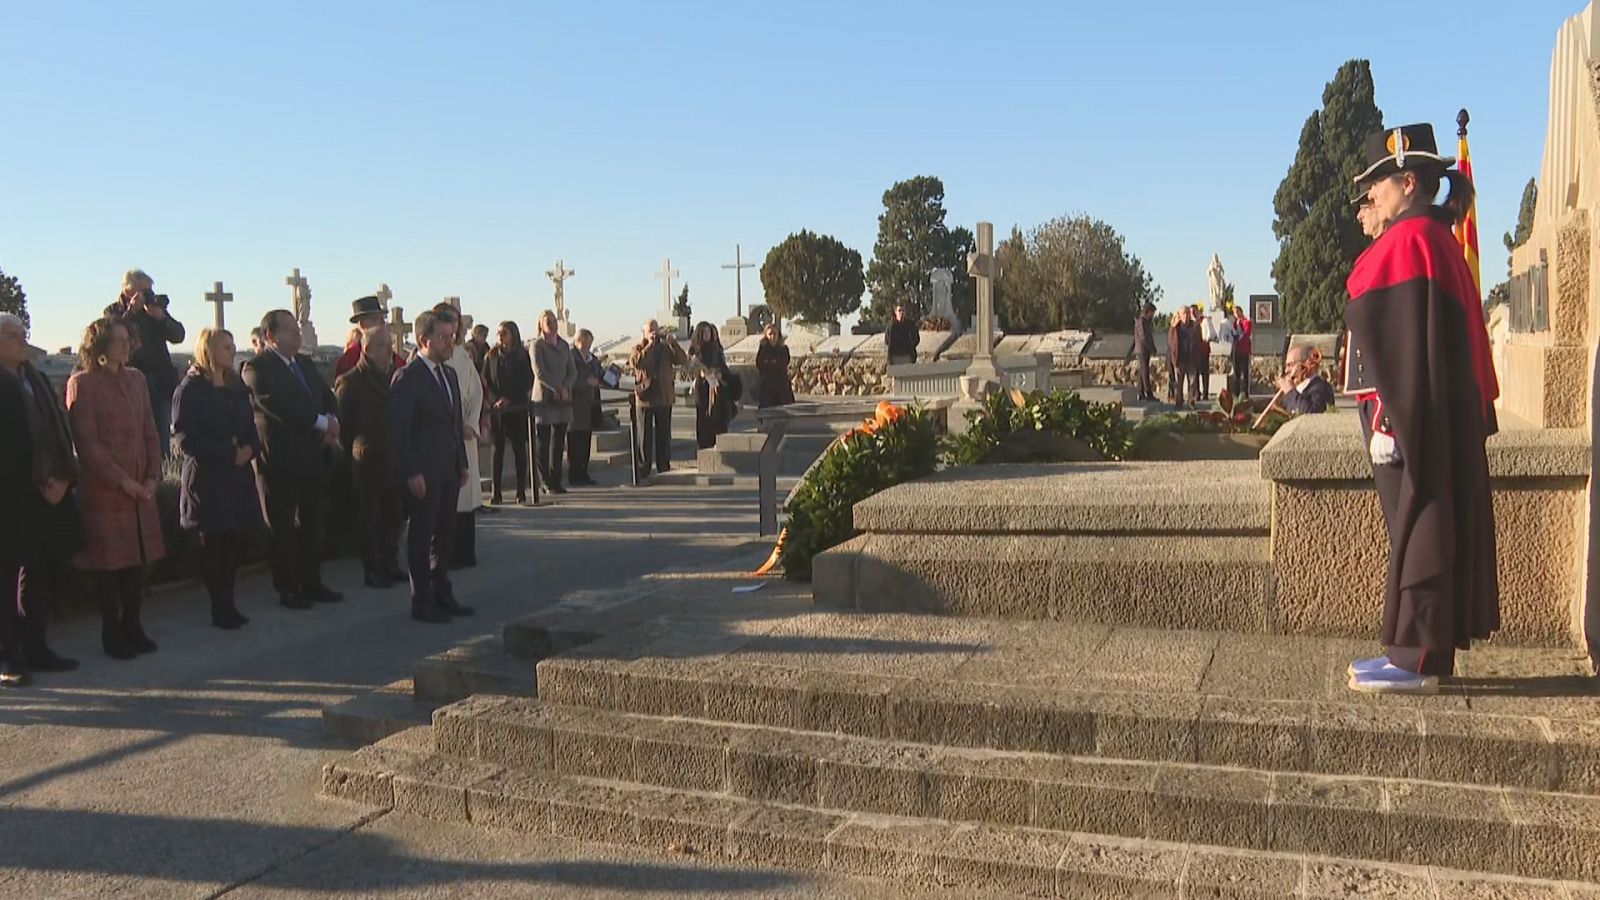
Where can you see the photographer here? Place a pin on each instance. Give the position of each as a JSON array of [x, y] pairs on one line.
[[152, 327]]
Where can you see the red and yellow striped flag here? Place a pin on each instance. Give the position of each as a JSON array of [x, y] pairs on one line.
[[1467, 230]]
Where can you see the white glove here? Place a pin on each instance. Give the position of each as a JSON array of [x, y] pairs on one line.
[[1385, 452]]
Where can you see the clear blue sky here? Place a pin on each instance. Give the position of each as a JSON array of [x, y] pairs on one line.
[[461, 148]]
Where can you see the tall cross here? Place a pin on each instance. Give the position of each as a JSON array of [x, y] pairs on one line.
[[982, 266], [666, 275], [217, 297], [398, 325], [297, 286], [738, 280], [559, 276], [383, 294], [455, 302]]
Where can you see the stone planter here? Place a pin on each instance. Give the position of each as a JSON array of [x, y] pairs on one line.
[[1178, 446]]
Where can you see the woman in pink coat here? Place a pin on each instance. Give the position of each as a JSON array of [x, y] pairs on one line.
[[109, 407]]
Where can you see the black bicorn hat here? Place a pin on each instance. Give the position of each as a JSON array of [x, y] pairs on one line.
[[365, 306], [1398, 149]]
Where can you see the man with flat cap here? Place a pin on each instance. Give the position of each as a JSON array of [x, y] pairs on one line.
[[367, 312]]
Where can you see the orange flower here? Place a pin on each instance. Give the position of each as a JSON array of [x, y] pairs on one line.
[[888, 412]]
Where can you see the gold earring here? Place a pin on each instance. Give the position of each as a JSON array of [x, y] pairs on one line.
[[101, 360]]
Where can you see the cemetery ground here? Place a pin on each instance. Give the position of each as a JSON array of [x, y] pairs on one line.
[[194, 772]]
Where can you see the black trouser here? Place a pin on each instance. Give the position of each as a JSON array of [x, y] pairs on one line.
[[1241, 373], [118, 590], [379, 509], [296, 548], [552, 445], [1147, 384], [657, 443], [1439, 661], [1204, 374], [27, 591], [465, 551], [513, 428], [430, 544], [580, 446], [220, 552], [1191, 381]]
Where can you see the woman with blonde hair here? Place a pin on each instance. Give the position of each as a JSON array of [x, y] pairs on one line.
[[555, 374], [109, 408], [214, 429]]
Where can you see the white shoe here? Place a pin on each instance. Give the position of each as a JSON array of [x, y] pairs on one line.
[[1371, 664]]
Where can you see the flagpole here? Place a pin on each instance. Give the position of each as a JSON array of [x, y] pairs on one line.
[[1467, 229]]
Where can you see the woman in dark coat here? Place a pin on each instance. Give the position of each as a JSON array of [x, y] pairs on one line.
[[772, 363], [363, 394], [214, 428], [40, 527], [712, 407], [508, 373], [108, 407], [585, 409]]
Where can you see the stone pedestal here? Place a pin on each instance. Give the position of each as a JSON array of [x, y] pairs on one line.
[[735, 330], [308, 335]]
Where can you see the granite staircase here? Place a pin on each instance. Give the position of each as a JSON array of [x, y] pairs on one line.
[[1034, 758], [1155, 545]]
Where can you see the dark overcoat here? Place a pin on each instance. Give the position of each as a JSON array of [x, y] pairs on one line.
[[209, 425], [116, 437]]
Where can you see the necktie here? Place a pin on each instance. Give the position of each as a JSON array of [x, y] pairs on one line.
[[294, 366], [444, 384]]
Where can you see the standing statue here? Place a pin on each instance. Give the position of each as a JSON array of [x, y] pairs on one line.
[[941, 280], [1217, 280], [302, 302]]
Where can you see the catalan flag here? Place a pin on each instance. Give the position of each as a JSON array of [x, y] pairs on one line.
[[1467, 230]]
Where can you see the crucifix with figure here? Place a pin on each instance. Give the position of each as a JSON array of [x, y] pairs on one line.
[[217, 297], [559, 276], [666, 275], [737, 266]]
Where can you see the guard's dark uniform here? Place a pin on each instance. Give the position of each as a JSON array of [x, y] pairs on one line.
[[1420, 368]]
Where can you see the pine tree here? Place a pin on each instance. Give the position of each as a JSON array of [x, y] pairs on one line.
[[12, 298], [913, 240], [1318, 236], [1515, 239], [813, 278]]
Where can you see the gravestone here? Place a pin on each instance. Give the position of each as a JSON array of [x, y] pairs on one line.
[[961, 346], [743, 350], [841, 345], [735, 330], [804, 337], [1264, 311], [398, 326], [1110, 348], [1065, 347], [1016, 343], [875, 346]]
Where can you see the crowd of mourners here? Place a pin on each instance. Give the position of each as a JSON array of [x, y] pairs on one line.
[[268, 442]]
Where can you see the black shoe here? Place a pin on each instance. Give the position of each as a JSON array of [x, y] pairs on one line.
[[13, 675], [488, 510], [322, 594], [395, 573], [557, 489], [429, 612], [221, 618], [522, 499], [47, 660], [377, 578], [115, 644], [455, 609], [137, 639], [496, 501], [293, 600]]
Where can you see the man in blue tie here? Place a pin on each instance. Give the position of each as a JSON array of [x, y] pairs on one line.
[[425, 431], [295, 416]]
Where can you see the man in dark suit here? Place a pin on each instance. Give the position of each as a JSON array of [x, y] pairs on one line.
[[295, 414], [426, 439], [1144, 342]]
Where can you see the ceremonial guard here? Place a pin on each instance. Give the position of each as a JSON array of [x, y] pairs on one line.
[[1420, 370]]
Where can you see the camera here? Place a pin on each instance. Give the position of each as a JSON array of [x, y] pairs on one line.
[[161, 300]]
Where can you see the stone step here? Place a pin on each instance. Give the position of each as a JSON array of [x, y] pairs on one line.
[[375, 715], [739, 462], [400, 774], [1180, 582], [1105, 719], [1077, 498], [478, 666], [1523, 833], [611, 441]]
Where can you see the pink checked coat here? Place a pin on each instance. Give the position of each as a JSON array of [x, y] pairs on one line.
[[116, 437]]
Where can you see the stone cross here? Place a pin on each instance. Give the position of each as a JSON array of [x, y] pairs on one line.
[[559, 275], [982, 266], [666, 275], [455, 303], [738, 280], [302, 296], [398, 325], [217, 297], [383, 294]]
